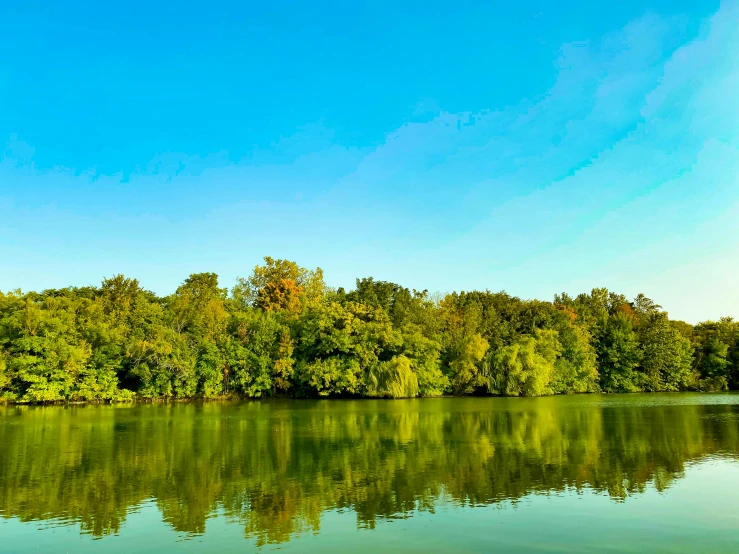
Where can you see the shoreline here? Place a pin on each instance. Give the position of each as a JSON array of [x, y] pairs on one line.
[[240, 398]]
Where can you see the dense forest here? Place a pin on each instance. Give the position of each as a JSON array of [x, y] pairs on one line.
[[283, 332]]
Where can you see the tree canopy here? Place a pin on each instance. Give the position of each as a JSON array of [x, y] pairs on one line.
[[282, 331]]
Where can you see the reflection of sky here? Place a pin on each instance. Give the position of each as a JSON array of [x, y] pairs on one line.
[[539, 148], [695, 514]]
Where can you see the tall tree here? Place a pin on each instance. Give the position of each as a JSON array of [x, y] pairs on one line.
[[666, 358], [280, 285], [618, 354]]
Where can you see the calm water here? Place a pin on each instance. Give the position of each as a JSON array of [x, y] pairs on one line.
[[620, 473]]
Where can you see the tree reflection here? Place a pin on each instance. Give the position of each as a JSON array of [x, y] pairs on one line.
[[275, 467]]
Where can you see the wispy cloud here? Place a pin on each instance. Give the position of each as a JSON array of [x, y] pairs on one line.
[[640, 208], [623, 174]]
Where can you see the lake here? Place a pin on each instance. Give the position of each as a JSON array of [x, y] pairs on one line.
[[630, 473]]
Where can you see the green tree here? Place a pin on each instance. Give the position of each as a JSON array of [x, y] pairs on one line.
[[465, 373], [424, 356], [575, 369], [526, 367], [666, 355], [5, 393], [394, 378], [282, 331], [618, 354], [716, 357], [401, 304], [260, 354], [340, 344]]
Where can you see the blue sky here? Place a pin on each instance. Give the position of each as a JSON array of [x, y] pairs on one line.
[[535, 147]]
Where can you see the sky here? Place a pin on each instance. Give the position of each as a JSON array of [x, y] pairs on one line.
[[534, 147]]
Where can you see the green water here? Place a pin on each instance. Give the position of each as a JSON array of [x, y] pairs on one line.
[[616, 473]]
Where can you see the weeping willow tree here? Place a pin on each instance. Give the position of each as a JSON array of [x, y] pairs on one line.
[[526, 367], [394, 379]]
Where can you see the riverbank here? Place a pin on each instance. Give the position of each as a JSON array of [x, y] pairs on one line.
[[241, 398]]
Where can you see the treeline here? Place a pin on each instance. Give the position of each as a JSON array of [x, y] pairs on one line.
[[282, 331]]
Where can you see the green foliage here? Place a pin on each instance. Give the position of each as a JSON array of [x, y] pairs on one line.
[[259, 353], [666, 355], [394, 379], [339, 344], [399, 303], [618, 354], [5, 394], [165, 364], [464, 366], [716, 359], [282, 331], [575, 368], [525, 367], [424, 355]]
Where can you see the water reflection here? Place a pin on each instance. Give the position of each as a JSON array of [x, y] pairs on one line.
[[275, 467]]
